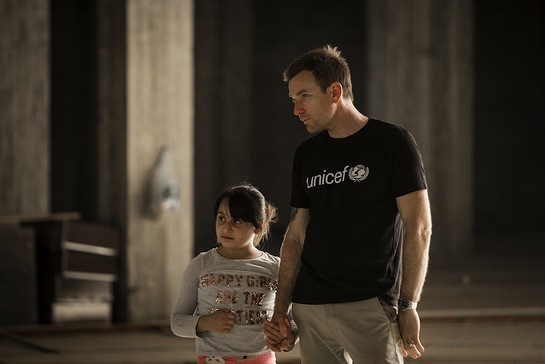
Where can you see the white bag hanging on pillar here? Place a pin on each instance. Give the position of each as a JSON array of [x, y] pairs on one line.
[[163, 190]]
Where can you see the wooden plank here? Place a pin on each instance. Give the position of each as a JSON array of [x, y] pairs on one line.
[[59, 216], [93, 234]]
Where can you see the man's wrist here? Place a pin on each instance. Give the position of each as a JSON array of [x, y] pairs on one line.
[[405, 304], [279, 310]]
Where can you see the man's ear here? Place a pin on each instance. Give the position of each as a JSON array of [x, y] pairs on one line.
[[336, 91]]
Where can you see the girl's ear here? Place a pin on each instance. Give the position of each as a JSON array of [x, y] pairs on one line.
[[258, 235]]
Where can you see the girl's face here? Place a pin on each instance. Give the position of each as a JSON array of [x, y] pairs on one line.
[[235, 236]]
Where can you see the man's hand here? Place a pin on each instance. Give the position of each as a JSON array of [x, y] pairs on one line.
[[220, 321], [278, 332], [409, 326]]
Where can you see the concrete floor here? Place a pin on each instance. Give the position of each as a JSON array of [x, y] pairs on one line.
[[473, 311]]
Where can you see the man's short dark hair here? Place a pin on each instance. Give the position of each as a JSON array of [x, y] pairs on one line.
[[327, 65]]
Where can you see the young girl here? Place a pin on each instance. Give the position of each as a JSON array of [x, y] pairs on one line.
[[228, 292]]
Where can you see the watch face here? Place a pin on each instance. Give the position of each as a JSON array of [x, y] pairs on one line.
[[404, 304]]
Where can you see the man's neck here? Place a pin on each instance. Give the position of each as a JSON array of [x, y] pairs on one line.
[[348, 121]]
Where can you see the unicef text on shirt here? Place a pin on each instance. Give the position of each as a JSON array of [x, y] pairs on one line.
[[357, 174]]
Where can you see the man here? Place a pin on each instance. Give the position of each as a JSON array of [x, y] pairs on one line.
[[355, 254]]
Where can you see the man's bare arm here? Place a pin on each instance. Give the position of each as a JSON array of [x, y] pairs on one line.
[[414, 210], [290, 254], [290, 263]]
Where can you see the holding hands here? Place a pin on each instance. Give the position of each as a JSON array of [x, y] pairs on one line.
[[280, 336]]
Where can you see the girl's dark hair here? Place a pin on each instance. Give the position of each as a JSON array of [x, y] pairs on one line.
[[327, 65], [248, 204]]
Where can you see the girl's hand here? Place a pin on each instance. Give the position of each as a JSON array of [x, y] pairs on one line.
[[276, 341], [220, 321]]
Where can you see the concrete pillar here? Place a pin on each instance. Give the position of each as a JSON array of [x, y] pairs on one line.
[[159, 112], [24, 107], [112, 135], [225, 127], [420, 76]]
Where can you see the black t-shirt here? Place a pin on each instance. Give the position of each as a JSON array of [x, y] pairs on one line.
[[353, 243]]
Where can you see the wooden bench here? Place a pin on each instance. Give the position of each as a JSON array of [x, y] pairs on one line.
[[75, 265], [88, 268]]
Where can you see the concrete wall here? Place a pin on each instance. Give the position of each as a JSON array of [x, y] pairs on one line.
[[159, 113], [224, 124], [420, 76], [141, 99], [509, 122], [24, 107]]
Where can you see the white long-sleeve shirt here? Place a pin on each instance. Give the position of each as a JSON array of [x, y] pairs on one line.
[[212, 282]]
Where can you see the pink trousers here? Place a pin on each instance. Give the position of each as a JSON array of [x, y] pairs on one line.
[[239, 359]]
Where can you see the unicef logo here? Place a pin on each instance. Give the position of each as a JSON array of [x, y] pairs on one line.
[[358, 173]]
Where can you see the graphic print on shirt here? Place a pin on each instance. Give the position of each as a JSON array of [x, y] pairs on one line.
[[240, 289], [213, 359], [356, 173]]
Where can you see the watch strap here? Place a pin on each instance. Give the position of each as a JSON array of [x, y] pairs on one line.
[[406, 304]]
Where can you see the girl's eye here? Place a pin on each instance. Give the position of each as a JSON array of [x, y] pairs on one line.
[[237, 222]]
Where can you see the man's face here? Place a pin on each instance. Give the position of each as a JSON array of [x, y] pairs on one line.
[[313, 107]]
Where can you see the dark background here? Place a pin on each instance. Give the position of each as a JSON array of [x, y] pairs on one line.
[[509, 119]]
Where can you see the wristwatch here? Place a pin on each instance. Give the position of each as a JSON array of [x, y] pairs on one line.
[[406, 304]]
